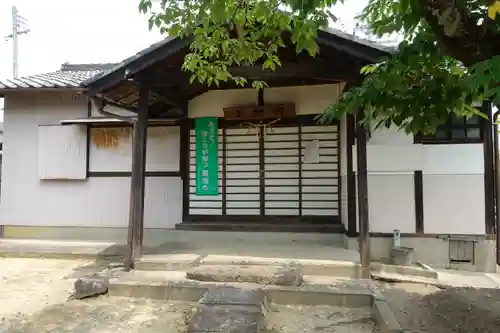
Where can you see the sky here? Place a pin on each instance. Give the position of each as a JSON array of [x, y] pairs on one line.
[[87, 31], [90, 31]]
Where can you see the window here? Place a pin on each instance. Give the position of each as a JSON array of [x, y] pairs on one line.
[[457, 130]]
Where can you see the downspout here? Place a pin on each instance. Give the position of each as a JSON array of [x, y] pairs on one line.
[[496, 180]]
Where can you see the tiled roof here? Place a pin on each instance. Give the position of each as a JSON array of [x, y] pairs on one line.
[[69, 76]]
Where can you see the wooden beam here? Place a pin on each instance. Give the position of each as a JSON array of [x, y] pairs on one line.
[[136, 209], [315, 70], [176, 98], [364, 228], [101, 103], [310, 70]]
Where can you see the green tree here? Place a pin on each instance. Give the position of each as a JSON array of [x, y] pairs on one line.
[[449, 56]]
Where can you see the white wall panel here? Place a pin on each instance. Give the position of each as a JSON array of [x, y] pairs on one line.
[[454, 204], [391, 203], [95, 202], [389, 136], [307, 99], [454, 159], [392, 158], [162, 151], [62, 152]]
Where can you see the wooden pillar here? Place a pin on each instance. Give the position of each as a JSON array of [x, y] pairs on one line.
[[136, 209], [352, 225], [489, 177], [364, 229]]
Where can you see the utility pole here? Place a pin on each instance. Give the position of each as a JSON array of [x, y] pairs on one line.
[[17, 21]]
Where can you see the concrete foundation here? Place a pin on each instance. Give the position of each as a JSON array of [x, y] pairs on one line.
[[203, 243], [156, 236], [433, 251]]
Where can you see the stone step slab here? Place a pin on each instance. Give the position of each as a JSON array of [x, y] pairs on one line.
[[229, 310], [287, 275], [174, 286]]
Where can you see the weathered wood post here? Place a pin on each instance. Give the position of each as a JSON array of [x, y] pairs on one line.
[[364, 229], [137, 188]]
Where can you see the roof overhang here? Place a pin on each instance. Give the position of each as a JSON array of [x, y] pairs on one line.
[[5, 91], [332, 38], [113, 121]]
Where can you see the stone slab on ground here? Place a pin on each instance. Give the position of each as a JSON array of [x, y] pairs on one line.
[[229, 310], [398, 278], [289, 275], [225, 319], [234, 296], [345, 266], [419, 272], [174, 286]]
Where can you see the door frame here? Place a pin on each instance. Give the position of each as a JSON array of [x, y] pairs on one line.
[[299, 121]]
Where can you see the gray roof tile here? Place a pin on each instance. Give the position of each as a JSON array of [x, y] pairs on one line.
[[69, 76]]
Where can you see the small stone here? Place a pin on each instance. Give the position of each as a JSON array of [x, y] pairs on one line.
[[90, 286]]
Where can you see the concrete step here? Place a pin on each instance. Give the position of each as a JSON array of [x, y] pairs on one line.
[[176, 262], [348, 269], [173, 285], [297, 227]]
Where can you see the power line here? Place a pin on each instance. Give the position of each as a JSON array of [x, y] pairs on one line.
[[18, 23]]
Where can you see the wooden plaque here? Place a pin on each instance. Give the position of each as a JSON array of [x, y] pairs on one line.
[[254, 112]]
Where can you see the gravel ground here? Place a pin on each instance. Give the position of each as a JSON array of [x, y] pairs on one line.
[[457, 310], [305, 319]]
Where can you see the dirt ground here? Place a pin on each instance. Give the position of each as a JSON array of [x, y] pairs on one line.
[[37, 292], [457, 310], [29, 285], [295, 319], [34, 299], [104, 315]]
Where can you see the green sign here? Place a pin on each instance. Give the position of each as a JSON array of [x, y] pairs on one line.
[[207, 156]]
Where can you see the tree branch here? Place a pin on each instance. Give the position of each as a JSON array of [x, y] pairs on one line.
[[470, 43]]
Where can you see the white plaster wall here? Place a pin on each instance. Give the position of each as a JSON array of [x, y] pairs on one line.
[[94, 202], [307, 99], [454, 203], [391, 203], [453, 184], [162, 151]]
